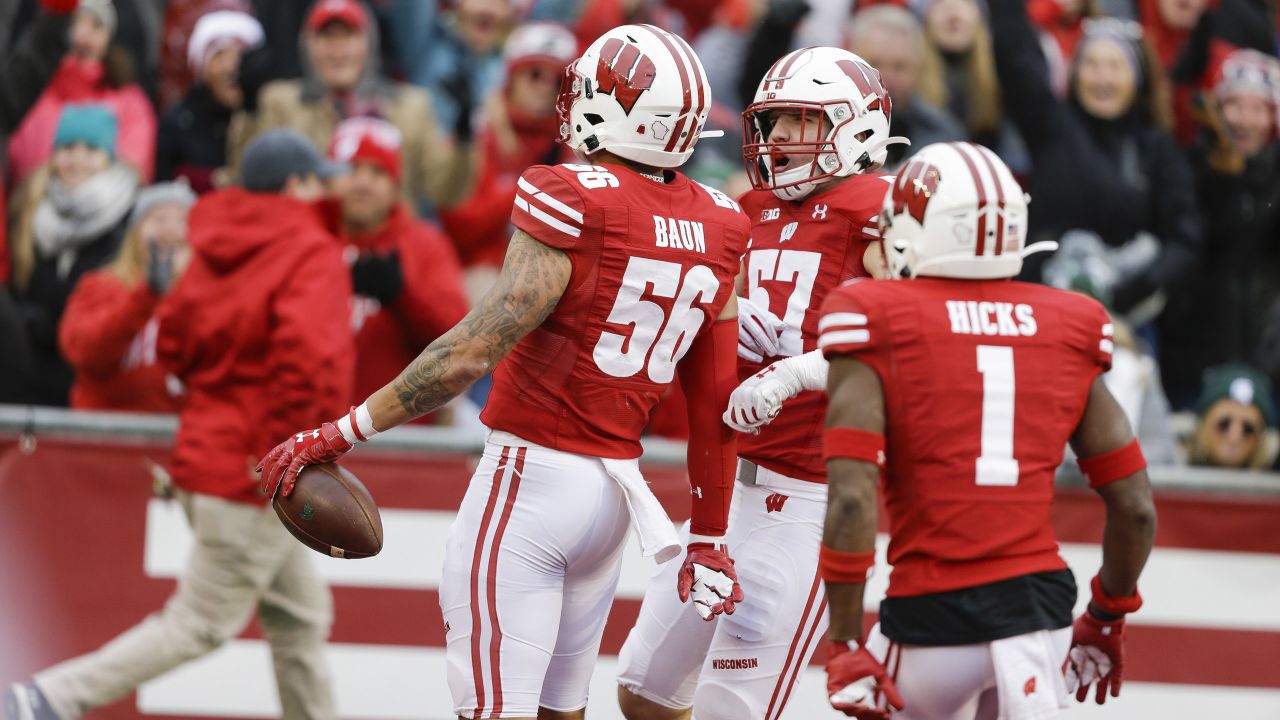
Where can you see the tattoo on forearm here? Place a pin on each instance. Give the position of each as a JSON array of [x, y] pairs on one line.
[[533, 278]]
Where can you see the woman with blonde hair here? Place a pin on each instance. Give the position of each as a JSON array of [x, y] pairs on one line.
[[108, 332], [70, 219], [958, 75]]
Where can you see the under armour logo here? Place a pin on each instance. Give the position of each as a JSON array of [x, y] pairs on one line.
[[819, 212], [1030, 687], [774, 502], [789, 230]]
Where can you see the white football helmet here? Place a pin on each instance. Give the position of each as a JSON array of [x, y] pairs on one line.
[[639, 92], [834, 84], [955, 211]]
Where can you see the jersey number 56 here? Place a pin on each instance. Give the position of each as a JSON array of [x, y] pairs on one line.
[[657, 341]]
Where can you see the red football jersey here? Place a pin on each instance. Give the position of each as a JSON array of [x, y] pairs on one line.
[[799, 252], [984, 383], [653, 266]]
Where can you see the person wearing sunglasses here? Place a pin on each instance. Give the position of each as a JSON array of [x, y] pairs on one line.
[[1237, 417]]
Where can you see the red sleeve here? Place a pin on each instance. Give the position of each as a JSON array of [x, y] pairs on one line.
[[434, 299], [102, 318], [1101, 337], [709, 374], [847, 325], [311, 354], [548, 207]]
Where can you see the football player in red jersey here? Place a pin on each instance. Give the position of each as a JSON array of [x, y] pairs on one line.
[[816, 133], [619, 273], [963, 388]]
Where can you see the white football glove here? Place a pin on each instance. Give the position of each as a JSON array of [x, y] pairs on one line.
[[758, 399], [759, 331]]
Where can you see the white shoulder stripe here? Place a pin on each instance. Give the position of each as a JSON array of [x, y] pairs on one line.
[[841, 318], [553, 203], [539, 214], [1106, 346], [1108, 330], [841, 337]]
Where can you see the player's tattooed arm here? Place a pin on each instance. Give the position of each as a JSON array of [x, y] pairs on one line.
[[533, 278], [856, 400]]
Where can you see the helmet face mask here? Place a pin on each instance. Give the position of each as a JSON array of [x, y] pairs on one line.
[[839, 88], [638, 92]]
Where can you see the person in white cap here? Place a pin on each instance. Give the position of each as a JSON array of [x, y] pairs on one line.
[[192, 142]]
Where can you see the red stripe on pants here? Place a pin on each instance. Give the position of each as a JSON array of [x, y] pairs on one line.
[[495, 635], [476, 671], [808, 606]]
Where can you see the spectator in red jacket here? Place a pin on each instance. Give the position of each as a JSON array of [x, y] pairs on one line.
[[108, 331], [407, 281], [258, 331], [520, 130]]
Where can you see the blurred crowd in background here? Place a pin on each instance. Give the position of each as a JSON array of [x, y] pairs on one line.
[[1146, 131]]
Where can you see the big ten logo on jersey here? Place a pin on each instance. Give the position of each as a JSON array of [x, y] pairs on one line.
[[655, 337], [770, 214], [972, 317], [593, 177], [679, 234], [781, 281]]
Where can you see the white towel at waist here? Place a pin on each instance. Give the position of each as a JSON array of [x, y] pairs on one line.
[[657, 536], [1029, 676]]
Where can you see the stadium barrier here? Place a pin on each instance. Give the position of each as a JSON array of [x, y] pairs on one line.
[[91, 551]]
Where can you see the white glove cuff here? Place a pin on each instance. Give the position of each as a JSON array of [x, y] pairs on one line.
[[804, 372], [714, 540], [363, 422]]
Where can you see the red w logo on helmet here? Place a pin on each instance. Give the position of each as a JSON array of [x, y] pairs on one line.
[[914, 187], [867, 80], [623, 72]]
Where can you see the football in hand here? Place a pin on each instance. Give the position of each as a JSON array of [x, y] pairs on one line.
[[332, 512]]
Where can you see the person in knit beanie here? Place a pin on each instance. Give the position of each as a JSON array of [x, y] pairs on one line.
[[71, 218], [1236, 419], [108, 332]]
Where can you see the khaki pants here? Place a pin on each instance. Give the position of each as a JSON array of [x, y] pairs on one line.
[[243, 560]]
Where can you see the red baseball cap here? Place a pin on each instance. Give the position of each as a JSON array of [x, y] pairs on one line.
[[368, 140], [348, 12]]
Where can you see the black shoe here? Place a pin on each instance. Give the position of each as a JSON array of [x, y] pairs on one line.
[[24, 701]]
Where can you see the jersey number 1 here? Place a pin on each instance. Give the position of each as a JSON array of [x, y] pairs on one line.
[[656, 338], [996, 465]]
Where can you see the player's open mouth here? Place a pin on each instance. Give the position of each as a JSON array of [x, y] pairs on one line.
[[780, 161]]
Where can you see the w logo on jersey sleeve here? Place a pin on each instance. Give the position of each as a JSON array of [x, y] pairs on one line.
[[624, 72]]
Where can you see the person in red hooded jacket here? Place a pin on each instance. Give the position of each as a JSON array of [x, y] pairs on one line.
[[405, 273], [257, 329]]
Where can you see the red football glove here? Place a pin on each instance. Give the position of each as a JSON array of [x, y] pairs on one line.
[[59, 7], [855, 678], [281, 466], [1097, 655], [709, 578]]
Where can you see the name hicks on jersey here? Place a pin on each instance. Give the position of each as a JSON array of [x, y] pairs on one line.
[[679, 234], [973, 317]]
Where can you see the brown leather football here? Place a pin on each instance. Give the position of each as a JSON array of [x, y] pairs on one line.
[[332, 512]]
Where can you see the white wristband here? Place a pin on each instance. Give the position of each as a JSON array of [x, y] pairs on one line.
[[717, 541], [363, 429], [805, 372]]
